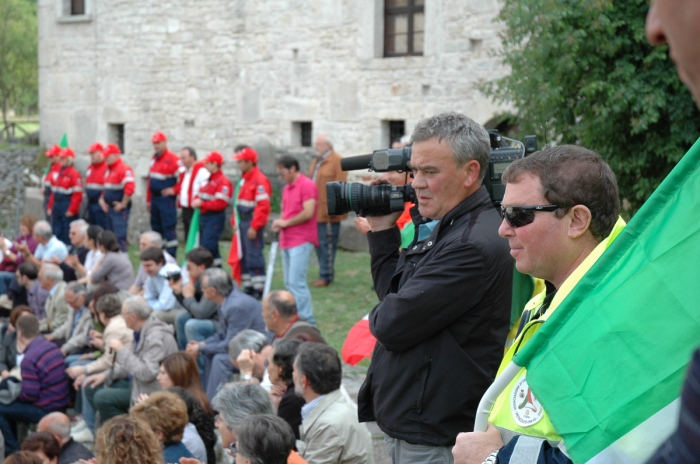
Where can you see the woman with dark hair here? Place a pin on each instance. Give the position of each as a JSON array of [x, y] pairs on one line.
[[23, 457], [127, 440], [179, 369], [44, 445], [8, 347], [280, 366], [201, 424], [93, 257], [115, 265]]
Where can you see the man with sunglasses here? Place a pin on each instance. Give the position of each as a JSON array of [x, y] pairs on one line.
[[444, 308], [561, 208]]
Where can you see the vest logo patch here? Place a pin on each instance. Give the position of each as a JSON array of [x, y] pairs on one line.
[[526, 409]]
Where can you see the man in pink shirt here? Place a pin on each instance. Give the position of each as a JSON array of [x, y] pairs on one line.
[[298, 232]]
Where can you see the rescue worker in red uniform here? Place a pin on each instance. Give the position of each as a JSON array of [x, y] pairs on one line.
[[52, 154], [253, 209], [66, 196], [94, 185], [119, 186], [212, 200], [163, 188]]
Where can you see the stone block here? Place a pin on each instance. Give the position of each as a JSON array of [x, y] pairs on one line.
[[350, 239]]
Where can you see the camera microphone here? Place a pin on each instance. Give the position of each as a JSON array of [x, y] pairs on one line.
[[355, 163]]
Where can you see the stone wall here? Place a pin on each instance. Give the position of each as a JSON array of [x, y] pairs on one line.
[[215, 73]]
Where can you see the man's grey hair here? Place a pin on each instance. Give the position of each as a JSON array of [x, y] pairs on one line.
[[76, 288], [81, 224], [43, 229], [219, 280], [53, 272], [467, 139], [139, 306], [247, 339], [153, 238], [237, 401]]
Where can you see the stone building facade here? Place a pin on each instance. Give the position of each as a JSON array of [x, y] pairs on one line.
[[215, 73]]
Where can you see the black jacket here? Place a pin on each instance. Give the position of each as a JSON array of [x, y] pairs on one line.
[[441, 324]]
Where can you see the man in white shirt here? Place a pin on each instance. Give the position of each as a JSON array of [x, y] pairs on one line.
[[191, 181]]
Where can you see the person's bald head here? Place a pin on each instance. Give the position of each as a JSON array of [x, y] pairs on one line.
[[57, 424], [279, 310]]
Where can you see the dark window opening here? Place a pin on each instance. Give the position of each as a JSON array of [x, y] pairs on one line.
[[77, 7], [116, 135], [404, 24], [305, 129], [397, 129]]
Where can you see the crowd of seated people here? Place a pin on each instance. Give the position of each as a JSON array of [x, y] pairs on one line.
[[144, 359]]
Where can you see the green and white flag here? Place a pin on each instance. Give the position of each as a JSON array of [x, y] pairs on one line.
[[193, 233], [609, 363]]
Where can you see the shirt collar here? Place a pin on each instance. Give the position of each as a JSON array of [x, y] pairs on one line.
[[310, 406], [53, 290]]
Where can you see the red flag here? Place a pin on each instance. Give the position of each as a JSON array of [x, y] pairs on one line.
[[234, 258], [359, 343]]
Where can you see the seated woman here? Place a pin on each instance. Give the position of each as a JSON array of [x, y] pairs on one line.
[[93, 257], [127, 440], [280, 366], [115, 265], [11, 257], [43, 444], [179, 371], [166, 413], [8, 347]]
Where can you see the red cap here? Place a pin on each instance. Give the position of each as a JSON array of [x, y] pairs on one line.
[[247, 154], [111, 149], [158, 137], [214, 157], [67, 153], [55, 150], [95, 147]]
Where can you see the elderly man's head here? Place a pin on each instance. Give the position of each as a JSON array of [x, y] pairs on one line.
[[42, 232], [57, 424], [150, 239], [75, 295], [78, 232], [216, 284], [235, 402], [279, 310], [264, 438], [50, 275], [450, 157], [675, 22], [579, 201], [135, 311], [255, 343], [322, 145]]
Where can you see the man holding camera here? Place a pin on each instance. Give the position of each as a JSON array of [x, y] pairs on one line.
[[445, 300]]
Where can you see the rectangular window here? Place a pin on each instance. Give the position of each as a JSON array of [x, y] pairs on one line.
[[403, 27], [301, 134], [397, 129], [77, 7], [115, 135]]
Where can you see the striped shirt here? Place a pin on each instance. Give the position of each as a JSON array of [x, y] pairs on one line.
[[44, 380]]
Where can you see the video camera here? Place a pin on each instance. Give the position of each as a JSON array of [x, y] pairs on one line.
[[380, 200]]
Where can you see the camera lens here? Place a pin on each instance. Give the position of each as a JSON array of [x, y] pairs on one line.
[[375, 200]]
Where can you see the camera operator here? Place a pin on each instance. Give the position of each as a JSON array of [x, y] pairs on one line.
[[444, 302]]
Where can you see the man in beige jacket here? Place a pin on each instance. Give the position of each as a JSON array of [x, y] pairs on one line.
[[326, 168], [329, 432], [59, 314]]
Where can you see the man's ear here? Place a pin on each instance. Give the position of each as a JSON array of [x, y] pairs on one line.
[[472, 169], [580, 221]]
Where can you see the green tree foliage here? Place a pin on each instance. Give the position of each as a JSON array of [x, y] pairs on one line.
[[18, 55], [584, 70]]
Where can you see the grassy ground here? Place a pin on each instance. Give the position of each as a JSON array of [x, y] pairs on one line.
[[336, 307]]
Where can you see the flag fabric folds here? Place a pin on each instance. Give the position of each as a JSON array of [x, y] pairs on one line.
[[193, 233], [235, 254], [359, 343], [609, 363]]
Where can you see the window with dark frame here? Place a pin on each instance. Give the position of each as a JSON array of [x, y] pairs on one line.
[[397, 129], [305, 130], [77, 7], [404, 22]]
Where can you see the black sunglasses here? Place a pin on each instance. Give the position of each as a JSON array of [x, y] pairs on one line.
[[518, 216]]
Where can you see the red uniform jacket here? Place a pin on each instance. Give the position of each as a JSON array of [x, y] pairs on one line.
[[216, 194], [254, 195], [164, 173], [67, 184], [51, 174], [95, 180], [119, 181]]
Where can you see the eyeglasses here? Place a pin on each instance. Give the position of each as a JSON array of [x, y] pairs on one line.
[[518, 216], [232, 448]]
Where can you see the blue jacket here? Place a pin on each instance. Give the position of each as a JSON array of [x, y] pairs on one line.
[[238, 312]]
